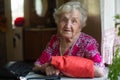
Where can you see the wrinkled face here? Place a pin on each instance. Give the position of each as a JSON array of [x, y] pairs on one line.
[[69, 24]]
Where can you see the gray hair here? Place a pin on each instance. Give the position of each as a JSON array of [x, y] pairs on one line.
[[70, 6]]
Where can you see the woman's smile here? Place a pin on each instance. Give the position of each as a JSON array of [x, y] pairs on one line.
[[67, 30]]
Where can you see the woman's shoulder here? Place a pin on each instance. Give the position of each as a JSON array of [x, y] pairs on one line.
[[85, 35], [53, 39], [86, 39]]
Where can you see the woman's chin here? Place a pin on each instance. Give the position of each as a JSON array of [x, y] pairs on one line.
[[67, 36]]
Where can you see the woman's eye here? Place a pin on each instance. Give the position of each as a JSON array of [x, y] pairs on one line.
[[63, 19], [74, 21]]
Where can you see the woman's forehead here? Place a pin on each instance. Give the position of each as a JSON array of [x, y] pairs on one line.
[[69, 10], [72, 13]]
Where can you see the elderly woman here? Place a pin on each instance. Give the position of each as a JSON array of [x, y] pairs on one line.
[[70, 19]]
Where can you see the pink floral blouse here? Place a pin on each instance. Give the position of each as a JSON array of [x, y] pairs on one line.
[[85, 46]]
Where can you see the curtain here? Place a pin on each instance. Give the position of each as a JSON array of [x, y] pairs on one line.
[[108, 45], [108, 30]]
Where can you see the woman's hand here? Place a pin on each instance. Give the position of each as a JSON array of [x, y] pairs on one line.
[[98, 71], [51, 70], [47, 68]]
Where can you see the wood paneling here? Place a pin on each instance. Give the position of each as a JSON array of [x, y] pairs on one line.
[[35, 42], [2, 38], [1, 7]]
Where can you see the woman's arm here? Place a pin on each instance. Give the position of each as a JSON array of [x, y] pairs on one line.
[[94, 55], [42, 63]]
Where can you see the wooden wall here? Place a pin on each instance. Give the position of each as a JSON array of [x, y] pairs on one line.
[[2, 37]]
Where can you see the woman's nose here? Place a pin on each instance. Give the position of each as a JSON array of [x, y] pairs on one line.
[[68, 24]]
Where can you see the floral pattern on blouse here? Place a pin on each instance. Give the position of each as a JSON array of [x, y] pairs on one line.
[[85, 46]]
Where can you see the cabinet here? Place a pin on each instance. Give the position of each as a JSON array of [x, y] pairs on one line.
[[35, 41]]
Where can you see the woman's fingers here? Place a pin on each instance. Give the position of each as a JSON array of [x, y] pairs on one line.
[[57, 72], [50, 70]]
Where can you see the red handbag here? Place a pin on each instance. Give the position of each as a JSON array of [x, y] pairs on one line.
[[74, 66]]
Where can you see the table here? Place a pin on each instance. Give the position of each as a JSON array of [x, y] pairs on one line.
[[32, 74]]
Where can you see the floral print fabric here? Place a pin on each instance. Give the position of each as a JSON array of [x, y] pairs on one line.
[[85, 46]]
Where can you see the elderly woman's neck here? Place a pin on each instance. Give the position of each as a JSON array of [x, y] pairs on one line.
[[66, 43], [70, 40]]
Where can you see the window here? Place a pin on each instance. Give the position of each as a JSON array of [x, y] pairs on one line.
[[109, 8], [17, 9], [41, 7], [38, 7]]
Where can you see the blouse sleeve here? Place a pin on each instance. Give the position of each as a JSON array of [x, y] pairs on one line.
[[46, 54], [92, 51]]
